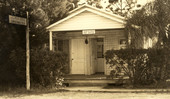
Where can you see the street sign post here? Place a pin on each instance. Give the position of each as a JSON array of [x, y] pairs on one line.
[[27, 55], [24, 21]]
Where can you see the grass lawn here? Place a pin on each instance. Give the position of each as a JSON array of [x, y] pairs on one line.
[[21, 93], [84, 95], [45, 93]]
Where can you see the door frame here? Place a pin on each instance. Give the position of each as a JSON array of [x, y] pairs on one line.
[[97, 59], [104, 67], [87, 69]]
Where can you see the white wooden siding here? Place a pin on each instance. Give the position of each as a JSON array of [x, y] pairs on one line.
[[111, 40], [87, 20]]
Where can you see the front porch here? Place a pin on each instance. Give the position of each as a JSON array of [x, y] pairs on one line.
[[86, 52]]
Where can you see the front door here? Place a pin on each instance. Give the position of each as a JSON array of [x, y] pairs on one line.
[[97, 57], [93, 55], [78, 56], [100, 55]]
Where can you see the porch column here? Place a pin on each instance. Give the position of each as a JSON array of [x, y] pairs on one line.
[[144, 43], [51, 40], [129, 38]]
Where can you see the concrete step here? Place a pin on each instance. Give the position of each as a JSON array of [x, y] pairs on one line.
[[94, 82]]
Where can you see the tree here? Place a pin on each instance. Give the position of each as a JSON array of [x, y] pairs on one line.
[[120, 7], [11, 36], [123, 7], [47, 12], [41, 14], [152, 21]]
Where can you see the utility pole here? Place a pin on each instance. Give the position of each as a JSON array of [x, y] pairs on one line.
[[27, 55]]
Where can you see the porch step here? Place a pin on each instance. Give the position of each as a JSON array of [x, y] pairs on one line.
[[93, 81], [85, 83], [96, 81]]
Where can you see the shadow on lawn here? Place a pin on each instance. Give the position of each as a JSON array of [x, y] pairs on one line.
[[21, 91]]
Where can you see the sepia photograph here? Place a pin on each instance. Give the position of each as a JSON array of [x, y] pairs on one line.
[[85, 49]]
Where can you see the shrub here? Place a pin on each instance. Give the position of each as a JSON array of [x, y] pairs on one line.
[[46, 67], [140, 65], [18, 61]]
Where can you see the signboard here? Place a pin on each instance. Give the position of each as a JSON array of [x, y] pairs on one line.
[[87, 32], [17, 20]]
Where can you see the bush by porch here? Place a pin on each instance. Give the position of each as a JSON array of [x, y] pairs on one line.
[[47, 67], [143, 67]]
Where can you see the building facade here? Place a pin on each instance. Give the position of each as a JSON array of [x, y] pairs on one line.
[[85, 35]]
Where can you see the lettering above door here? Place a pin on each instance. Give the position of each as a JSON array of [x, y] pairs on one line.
[[88, 32]]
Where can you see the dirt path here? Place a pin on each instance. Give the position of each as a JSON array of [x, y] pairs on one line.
[[90, 95]]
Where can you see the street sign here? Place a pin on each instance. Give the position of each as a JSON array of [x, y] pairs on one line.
[[17, 20], [87, 32]]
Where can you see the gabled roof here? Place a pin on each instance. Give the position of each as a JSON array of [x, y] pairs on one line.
[[91, 9], [97, 9]]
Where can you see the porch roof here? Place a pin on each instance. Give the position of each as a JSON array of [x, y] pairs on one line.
[[88, 17]]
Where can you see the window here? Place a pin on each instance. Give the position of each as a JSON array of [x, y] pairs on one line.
[[100, 51], [123, 43], [60, 45], [100, 48], [99, 39], [55, 45]]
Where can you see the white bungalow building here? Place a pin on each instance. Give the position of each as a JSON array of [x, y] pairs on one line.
[[85, 35]]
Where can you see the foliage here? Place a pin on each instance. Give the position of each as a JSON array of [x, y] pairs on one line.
[[18, 60], [41, 14], [123, 7], [140, 65], [96, 3], [151, 21], [47, 68]]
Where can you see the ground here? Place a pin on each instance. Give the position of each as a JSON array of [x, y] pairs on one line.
[[88, 95]]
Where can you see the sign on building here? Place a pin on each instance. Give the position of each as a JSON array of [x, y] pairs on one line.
[[87, 32], [17, 20]]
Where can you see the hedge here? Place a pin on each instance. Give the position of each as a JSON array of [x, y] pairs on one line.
[[46, 67], [142, 66]]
